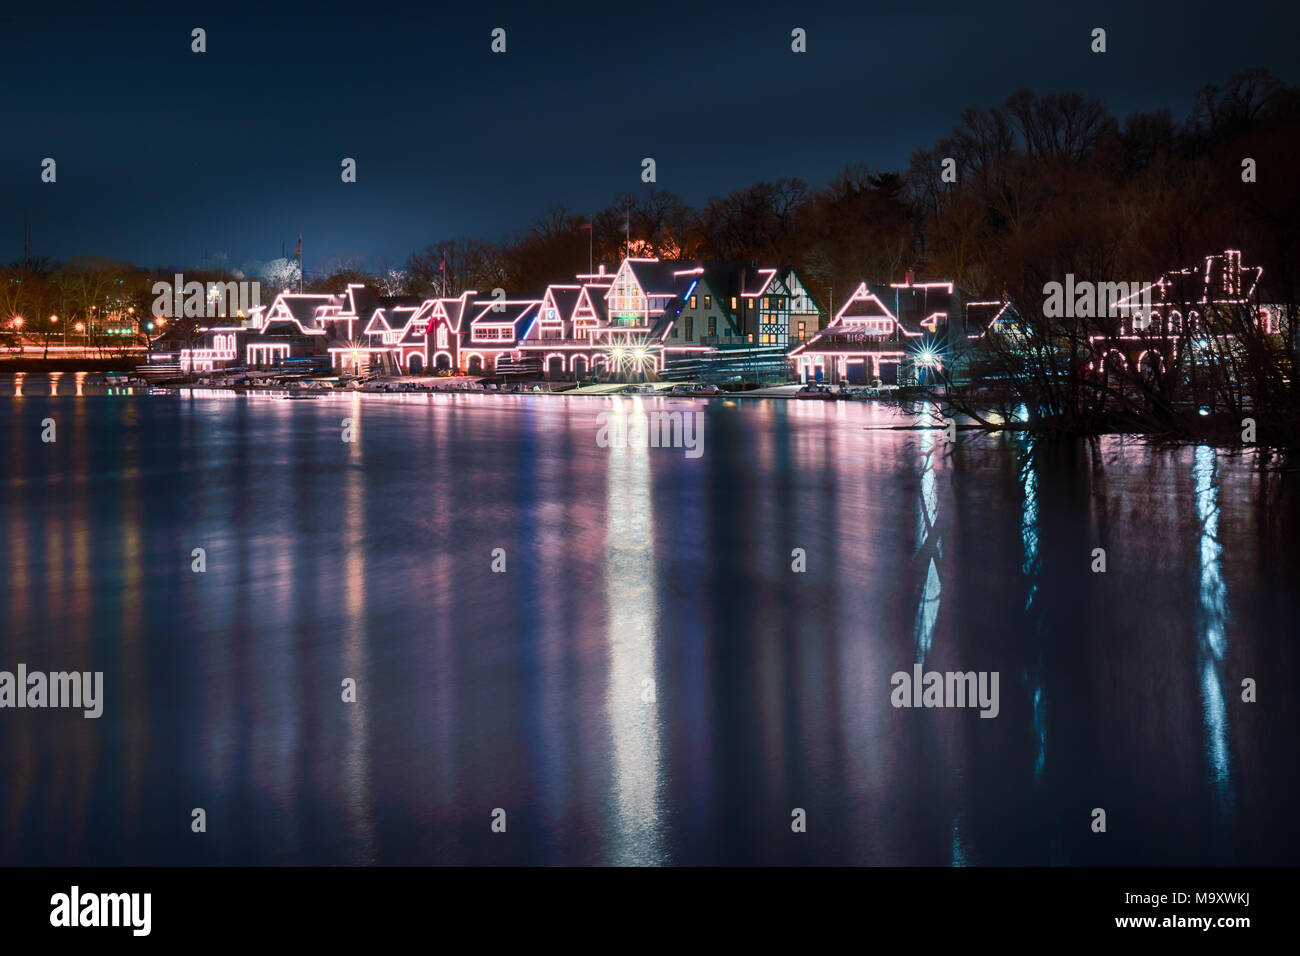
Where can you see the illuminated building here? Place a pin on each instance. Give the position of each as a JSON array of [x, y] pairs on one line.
[[633, 323], [1141, 329], [894, 335]]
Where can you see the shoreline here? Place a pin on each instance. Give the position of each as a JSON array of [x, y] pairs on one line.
[[1217, 433]]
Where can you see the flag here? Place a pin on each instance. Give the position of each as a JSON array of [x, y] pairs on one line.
[[298, 252], [442, 264], [586, 226]]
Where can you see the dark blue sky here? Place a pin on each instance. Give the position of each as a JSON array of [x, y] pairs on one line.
[[163, 154]]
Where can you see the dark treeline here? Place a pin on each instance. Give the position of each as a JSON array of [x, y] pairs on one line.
[[1044, 185]]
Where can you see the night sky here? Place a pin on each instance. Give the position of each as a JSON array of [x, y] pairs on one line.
[[164, 154]]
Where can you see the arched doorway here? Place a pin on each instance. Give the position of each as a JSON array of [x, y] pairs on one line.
[[476, 365], [554, 367], [1151, 367], [442, 360], [415, 363], [579, 366]]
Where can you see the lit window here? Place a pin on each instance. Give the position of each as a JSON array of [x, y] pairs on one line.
[[708, 301], [749, 303], [693, 298], [733, 302]]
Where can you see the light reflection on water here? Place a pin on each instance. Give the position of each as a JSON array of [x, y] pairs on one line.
[[1212, 621], [355, 654], [632, 693], [527, 690], [1029, 568], [928, 547]]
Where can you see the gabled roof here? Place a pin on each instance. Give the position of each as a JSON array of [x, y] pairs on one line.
[[457, 308], [870, 311], [656, 277], [788, 276], [378, 324], [863, 306], [299, 308], [563, 298], [592, 299], [405, 320]]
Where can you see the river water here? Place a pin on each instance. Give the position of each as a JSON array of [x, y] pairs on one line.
[[685, 659]]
